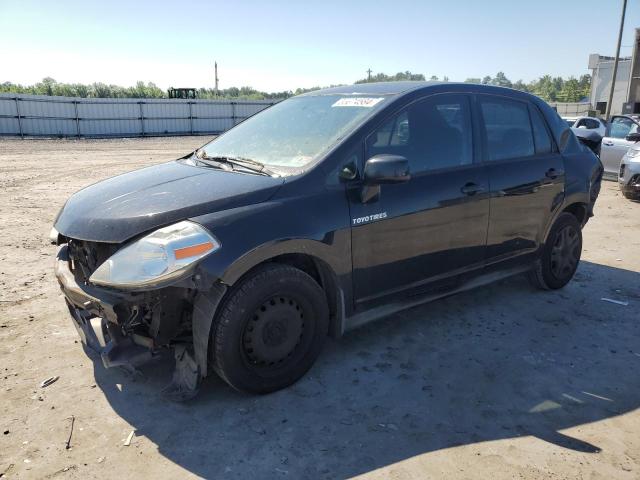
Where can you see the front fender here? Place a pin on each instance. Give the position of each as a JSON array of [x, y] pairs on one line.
[[329, 250], [316, 225]]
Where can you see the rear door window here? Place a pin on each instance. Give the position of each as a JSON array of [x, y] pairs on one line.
[[508, 131]]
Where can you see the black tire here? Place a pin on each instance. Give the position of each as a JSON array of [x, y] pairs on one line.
[[560, 254], [270, 329]]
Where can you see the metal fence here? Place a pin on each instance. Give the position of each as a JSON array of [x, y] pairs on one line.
[[572, 109], [39, 115]]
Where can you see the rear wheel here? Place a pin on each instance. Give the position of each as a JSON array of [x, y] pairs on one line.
[[270, 329], [560, 254]]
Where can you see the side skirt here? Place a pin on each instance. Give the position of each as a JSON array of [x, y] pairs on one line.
[[382, 311]]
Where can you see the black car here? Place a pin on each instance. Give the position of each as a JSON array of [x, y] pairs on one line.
[[317, 215]]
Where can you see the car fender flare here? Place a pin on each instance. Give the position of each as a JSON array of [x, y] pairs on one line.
[[332, 261], [573, 200], [313, 248]]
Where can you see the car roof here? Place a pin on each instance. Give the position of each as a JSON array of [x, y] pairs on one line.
[[377, 88], [406, 87]]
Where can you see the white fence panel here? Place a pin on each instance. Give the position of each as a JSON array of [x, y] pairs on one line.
[[10, 126], [39, 115], [164, 126]]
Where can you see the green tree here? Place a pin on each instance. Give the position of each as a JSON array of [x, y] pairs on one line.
[[585, 85], [547, 87], [520, 85], [81, 90], [46, 86], [400, 76], [100, 90], [501, 80]]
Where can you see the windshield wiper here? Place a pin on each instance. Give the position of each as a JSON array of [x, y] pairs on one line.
[[246, 163]]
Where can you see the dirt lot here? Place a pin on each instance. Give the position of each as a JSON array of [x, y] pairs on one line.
[[502, 382]]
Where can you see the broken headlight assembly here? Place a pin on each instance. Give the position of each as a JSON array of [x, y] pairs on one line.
[[163, 255]]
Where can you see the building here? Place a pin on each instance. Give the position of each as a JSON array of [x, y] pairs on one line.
[[626, 94]]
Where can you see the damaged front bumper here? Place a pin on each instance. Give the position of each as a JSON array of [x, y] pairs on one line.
[[128, 329], [93, 311]]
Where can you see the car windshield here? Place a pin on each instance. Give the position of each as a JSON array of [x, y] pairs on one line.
[[570, 122], [293, 134]]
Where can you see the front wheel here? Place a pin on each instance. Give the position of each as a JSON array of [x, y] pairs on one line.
[[560, 254], [270, 329]]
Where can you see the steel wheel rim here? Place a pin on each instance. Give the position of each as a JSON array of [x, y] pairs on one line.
[[273, 332], [565, 252]]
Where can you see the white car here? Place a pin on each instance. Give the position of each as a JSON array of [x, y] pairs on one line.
[[590, 123], [615, 143], [629, 175]]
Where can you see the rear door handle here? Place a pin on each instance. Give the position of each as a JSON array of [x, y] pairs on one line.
[[608, 144], [471, 188], [552, 173]]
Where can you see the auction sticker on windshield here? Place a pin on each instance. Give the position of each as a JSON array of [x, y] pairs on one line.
[[357, 102]]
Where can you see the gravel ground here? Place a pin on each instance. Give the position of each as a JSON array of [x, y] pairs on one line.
[[501, 382]]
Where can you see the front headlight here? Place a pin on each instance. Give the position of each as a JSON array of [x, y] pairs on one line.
[[632, 153], [162, 255]]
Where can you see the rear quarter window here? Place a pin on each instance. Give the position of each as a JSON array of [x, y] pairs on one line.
[[541, 136]]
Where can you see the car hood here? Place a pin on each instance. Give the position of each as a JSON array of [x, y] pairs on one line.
[[122, 207]]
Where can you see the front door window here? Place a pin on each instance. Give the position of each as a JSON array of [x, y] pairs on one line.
[[621, 127], [432, 134]]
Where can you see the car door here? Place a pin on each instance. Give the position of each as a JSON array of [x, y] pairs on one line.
[[414, 234], [526, 175], [614, 144], [601, 128]]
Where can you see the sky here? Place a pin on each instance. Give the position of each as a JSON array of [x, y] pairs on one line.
[[282, 45]]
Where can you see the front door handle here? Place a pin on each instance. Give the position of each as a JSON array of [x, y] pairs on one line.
[[471, 188], [552, 173], [608, 144]]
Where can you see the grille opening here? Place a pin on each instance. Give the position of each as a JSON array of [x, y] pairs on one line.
[[85, 257]]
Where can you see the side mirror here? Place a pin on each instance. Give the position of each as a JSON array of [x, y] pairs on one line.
[[633, 137], [386, 169]]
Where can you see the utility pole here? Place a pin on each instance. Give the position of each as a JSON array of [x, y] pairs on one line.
[[615, 63], [369, 74], [215, 68]]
